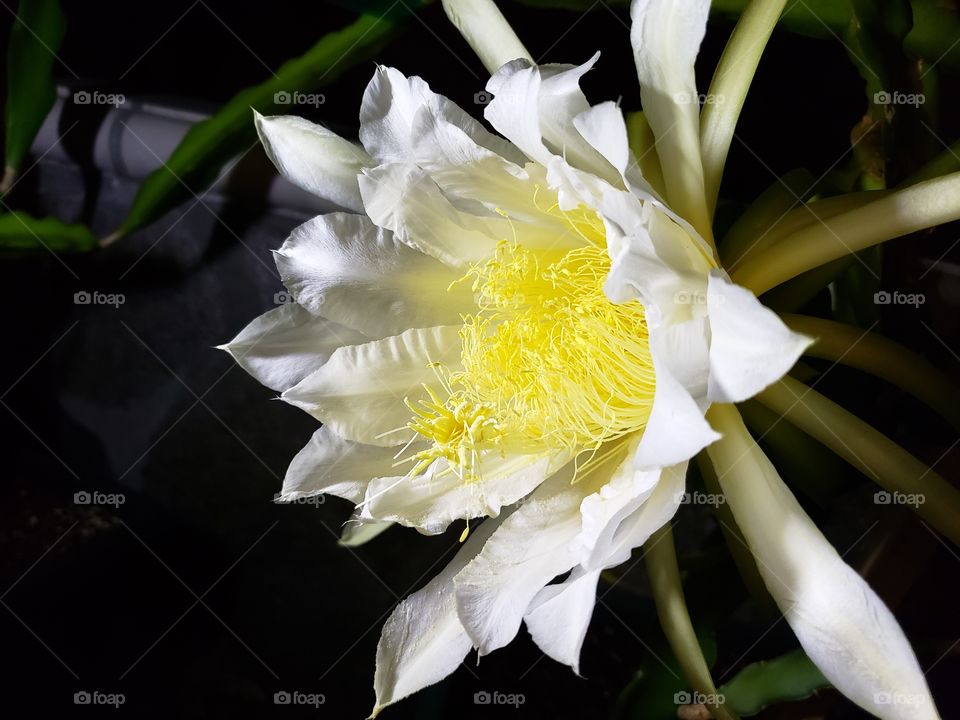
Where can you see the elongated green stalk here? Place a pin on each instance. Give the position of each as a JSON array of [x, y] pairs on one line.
[[900, 213], [805, 216], [883, 358], [764, 215], [486, 30], [729, 87], [736, 543], [868, 450], [661, 559]]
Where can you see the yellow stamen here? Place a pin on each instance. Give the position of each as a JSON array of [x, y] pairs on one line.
[[549, 363]]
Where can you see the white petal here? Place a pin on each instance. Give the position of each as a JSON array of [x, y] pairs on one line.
[[666, 36], [676, 429], [431, 501], [750, 346], [284, 345], [314, 158], [391, 101], [423, 641], [604, 128], [357, 532], [535, 108], [404, 199], [360, 390], [533, 546], [349, 270], [486, 30], [842, 625], [559, 615], [332, 465]]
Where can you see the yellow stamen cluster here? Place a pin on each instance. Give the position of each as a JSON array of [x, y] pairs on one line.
[[549, 363]]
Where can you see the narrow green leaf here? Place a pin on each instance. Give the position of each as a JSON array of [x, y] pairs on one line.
[[19, 232], [34, 41], [789, 677], [210, 144]]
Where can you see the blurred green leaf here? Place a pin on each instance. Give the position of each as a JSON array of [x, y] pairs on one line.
[[34, 41], [19, 231], [789, 677], [210, 144]]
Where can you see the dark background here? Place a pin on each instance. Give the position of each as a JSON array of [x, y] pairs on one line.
[[198, 597]]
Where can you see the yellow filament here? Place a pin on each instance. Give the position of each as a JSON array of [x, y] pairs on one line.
[[548, 362]]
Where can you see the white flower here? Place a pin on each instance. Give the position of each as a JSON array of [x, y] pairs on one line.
[[518, 329]]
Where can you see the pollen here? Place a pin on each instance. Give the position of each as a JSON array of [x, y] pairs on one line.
[[547, 362]]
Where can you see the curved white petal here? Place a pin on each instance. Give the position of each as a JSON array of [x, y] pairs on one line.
[[750, 346], [666, 36], [314, 158], [431, 501], [535, 107], [349, 270], [359, 392], [486, 30], [404, 199], [332, 465], [676, 429], [533, 546], [842, 625], [559, 615], [423, 641], [284, 345], [390, 104]]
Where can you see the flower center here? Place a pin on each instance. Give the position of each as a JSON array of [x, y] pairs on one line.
[[549, 363]]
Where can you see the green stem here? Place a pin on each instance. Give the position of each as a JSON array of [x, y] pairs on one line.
[[729, 87], [883, 358], [661, 559], [920, 206], [868, 450]]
